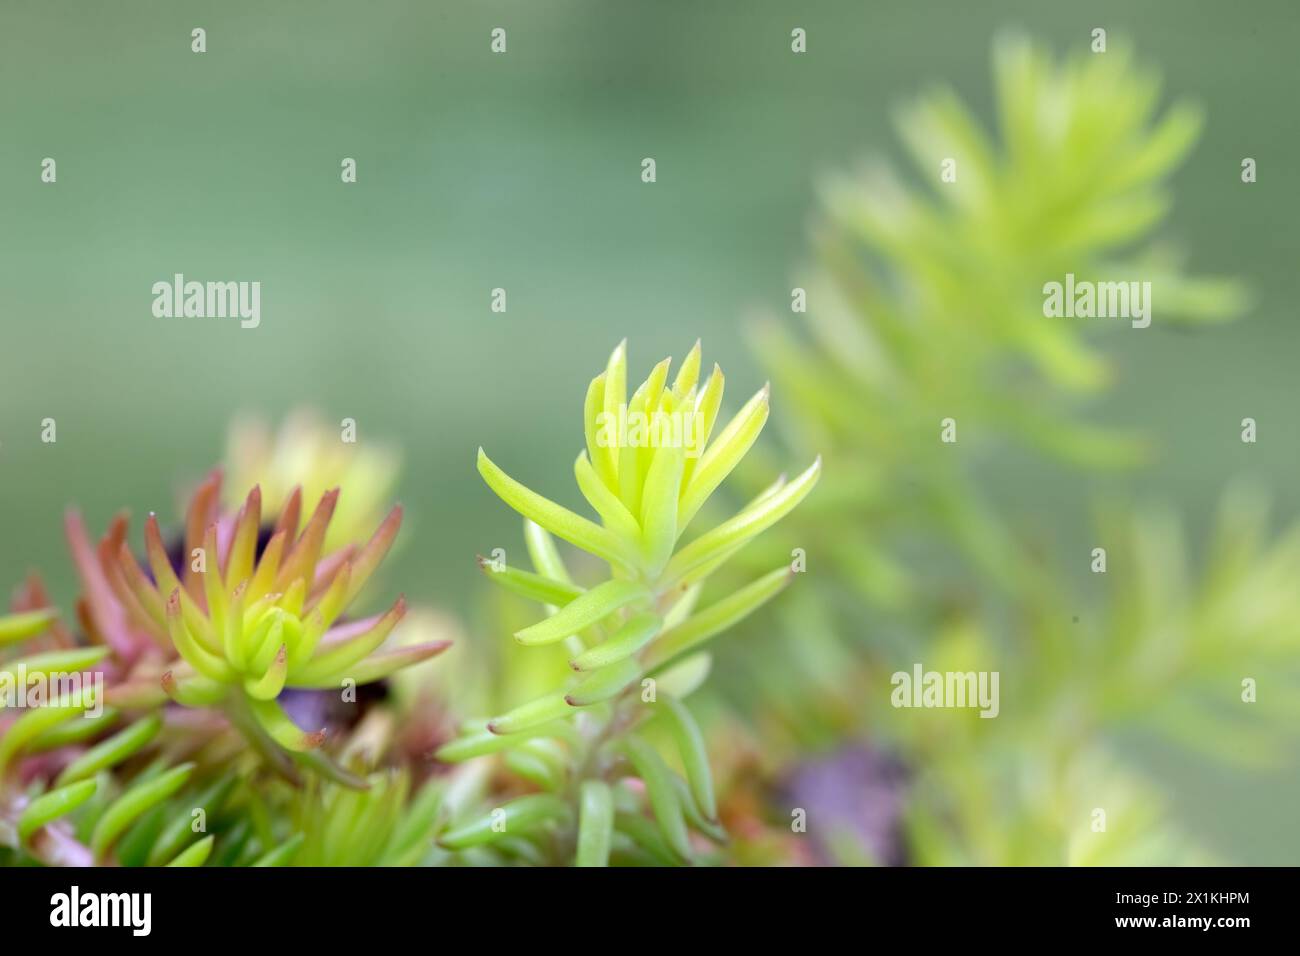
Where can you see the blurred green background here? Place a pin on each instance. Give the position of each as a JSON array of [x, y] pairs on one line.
[[522, 171]]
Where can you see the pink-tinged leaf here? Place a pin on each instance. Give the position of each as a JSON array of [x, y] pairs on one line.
[[137, 617], [331, 602], [327, 568], [214, 589], [300, 563], [291, 514], [369, 558], [156, 551], [142, 694], [243, 547], [378, 666], [102, 607], [195, 619], [202, 512], [131, 576], [336, 653]]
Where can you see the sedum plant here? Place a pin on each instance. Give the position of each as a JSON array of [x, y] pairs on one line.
[[249, 622], [231, 633], [928, 304], [633, 638]]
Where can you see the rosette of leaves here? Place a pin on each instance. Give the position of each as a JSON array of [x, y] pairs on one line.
[[250, 619], [634, 638]]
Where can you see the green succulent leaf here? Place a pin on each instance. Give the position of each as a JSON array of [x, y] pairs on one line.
[[533, 714], [281, 855], [514, 818], [556, 519], [664, 799], [722, 456], [637, 631], [605, 683], [180, 828], [110, 752], [535, 587], [745, 526], [701, 626], [36, 722], [133, 804], [54, 663], [195, 855], [583, 611], [595, 823], [19, 627], [690, 746], [48, 807]]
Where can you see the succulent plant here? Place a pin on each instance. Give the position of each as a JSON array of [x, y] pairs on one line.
[[240, 619], [926, 303], [634, 638], [249, 621]]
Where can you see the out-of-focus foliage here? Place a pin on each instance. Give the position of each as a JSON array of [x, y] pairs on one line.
[[306, 453], [927, 300], [928, 305]]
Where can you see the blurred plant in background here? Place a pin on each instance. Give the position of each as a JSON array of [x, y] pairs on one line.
[[306, 453], [928, 305]]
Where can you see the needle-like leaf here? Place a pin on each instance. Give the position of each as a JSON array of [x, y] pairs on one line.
[[595, 823], [583, 611]]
